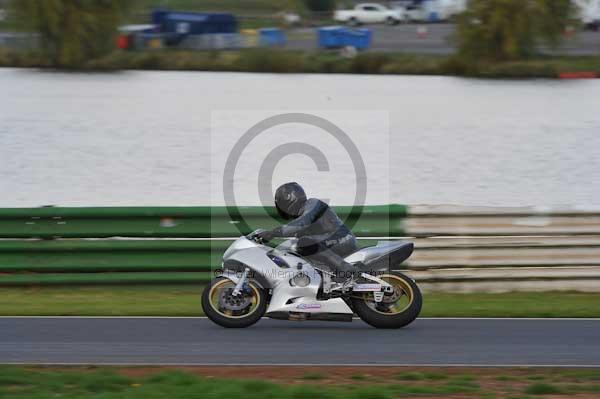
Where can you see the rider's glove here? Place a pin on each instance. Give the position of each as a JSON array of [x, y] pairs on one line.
[[265, 236]]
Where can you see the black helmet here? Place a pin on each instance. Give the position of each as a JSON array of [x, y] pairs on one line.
[[289, 200]]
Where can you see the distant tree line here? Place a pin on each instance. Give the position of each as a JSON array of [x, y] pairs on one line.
[[72, 31], [320, 5], [512, 29]]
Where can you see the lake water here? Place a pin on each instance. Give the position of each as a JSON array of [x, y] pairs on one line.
[[150, 138]]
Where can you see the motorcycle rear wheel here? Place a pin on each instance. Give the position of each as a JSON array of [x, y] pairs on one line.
[[397, 309], [233, 312]]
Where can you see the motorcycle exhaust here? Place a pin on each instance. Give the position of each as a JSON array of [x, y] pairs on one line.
[[305, 316]]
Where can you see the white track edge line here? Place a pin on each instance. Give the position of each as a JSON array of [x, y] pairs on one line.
[[135, 364], [266, 318]]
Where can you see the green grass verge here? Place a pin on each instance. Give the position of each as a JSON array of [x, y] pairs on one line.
[[288, 61], [149, 383], [105, 383], [512, 304], [184, 300]]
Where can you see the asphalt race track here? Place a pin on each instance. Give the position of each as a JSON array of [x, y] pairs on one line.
[[188, 341]]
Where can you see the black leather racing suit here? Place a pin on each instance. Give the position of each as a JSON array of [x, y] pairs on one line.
[[323, 237]]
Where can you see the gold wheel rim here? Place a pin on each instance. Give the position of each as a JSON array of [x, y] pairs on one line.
[[402, 289], [215, 293]]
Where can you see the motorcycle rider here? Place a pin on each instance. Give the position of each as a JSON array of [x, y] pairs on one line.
[[322, 236]]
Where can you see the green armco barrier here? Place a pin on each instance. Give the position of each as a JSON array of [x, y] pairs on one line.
[[110, 255], [176, 222], [142, 245], [90, 256]]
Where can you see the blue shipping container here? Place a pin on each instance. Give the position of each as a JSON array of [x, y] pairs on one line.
[[177, 25], [158, 16]]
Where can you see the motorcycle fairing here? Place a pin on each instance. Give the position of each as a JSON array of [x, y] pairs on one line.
[[285, 296]]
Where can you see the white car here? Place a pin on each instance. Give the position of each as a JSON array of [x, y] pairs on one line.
[[427, 11], [430, 10], [589, 13], [369, 13]]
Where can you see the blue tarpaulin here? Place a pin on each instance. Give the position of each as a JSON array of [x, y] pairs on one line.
[[271, 37], [340, 36]]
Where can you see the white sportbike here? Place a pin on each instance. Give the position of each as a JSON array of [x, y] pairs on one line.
[[258, 280]]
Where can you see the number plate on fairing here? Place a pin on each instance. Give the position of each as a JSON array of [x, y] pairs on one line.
[[366, 287]]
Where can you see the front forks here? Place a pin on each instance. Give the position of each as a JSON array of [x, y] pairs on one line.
[[240, 284]]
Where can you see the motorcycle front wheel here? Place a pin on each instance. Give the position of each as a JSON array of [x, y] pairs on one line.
[[227, 310], [397, 309]]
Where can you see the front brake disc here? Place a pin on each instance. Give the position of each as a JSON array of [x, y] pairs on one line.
[[231, 302]]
